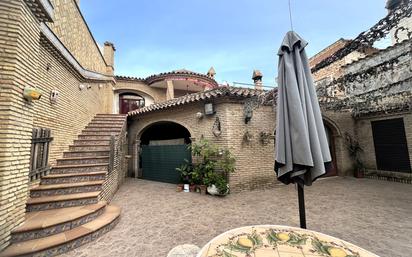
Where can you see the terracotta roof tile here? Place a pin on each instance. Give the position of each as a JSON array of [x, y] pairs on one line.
[[204, 95]]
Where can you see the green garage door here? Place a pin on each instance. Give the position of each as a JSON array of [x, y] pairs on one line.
[[159, 162]]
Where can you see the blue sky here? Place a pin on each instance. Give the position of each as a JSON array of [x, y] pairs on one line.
[[234, 36]]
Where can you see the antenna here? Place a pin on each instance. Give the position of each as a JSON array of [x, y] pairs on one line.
[[290, 15]]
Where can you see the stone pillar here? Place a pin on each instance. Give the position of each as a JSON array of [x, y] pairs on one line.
[[108, 54], [170, 92], [257, 79], [136, 159]]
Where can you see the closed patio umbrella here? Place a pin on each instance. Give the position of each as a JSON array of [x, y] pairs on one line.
[[302, 152]]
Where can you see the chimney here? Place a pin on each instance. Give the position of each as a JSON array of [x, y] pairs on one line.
[[108, 54], [257, 79], [211, 73]]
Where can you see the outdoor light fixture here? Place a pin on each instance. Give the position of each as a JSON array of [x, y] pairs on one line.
[[209, 109], [31, 94], [54, 96], [81, 87], [199, 115]]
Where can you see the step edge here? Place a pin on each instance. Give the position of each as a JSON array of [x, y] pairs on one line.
[[68, 185], [100, 205], [38, 250], [37, 200]]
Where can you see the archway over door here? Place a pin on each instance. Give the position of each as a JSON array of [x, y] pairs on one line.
[[331, 133], [164, 147], [129, 102]]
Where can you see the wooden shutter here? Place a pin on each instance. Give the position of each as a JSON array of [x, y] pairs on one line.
[[391, 147]]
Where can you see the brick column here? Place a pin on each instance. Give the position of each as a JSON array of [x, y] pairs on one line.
[[136, 159]]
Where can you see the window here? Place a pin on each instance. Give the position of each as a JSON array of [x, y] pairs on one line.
[[130, 102], [391, 147]]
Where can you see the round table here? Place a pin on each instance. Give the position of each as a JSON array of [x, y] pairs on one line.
[[279, 241]]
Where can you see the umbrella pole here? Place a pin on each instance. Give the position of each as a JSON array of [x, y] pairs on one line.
[[301, 198]]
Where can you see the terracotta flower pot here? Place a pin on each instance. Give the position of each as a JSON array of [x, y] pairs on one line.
[[203, 189], [179, 188], [192, 188]]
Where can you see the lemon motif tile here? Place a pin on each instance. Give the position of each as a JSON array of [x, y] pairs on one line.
[[280, 241]]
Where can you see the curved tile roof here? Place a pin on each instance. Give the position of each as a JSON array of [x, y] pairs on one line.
[[204, 95], [176, 73]]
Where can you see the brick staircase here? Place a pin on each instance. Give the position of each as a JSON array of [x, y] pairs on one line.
[[64, 211]]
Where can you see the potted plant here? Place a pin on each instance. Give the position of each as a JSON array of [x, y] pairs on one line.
[[355, 152], [212, 167], [185, 171]]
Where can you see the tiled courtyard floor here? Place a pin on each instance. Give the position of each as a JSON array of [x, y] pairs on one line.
[[375, 215]]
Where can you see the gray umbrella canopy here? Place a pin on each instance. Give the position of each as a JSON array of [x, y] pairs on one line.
[[302, 152]]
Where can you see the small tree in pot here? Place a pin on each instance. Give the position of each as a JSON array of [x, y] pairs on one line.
[[355, 152]]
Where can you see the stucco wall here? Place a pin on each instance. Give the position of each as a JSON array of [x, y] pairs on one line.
[[256, 172], [158, 94]]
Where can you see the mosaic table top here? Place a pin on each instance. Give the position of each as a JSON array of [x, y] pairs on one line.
[[279, 241]]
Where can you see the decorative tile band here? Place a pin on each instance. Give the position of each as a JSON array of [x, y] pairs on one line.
[[61, 204], [78, 242], [34, 234]]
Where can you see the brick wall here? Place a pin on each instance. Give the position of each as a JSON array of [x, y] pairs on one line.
[[117, 167], [72, 30], [24, 62], [341, 123], [256, 172], [74, 108], [18, 68]]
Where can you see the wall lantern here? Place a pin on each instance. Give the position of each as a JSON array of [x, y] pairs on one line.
[[217, 129], [81, 87], [209, 109], [54, 96], [31, 93], [199, 115]]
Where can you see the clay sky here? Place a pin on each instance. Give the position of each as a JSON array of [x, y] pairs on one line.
[[234, 36]]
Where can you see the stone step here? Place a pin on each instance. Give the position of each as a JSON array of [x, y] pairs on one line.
[[89, 147], [79, 168], [111, 115], [66, 188], [94, 137], [72, 177], [67, 240], [91, 142], [89, 153], [100, 132], [104, 125], [108, 121], [46, 223], [83, 160], [114, 130], [61, 201]]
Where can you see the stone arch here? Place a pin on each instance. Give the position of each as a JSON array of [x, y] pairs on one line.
[[333, 126], [147, 126]]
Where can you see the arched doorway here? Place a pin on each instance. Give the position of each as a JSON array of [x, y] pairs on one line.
[[330, 135], [129, 102], [164, 147]]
